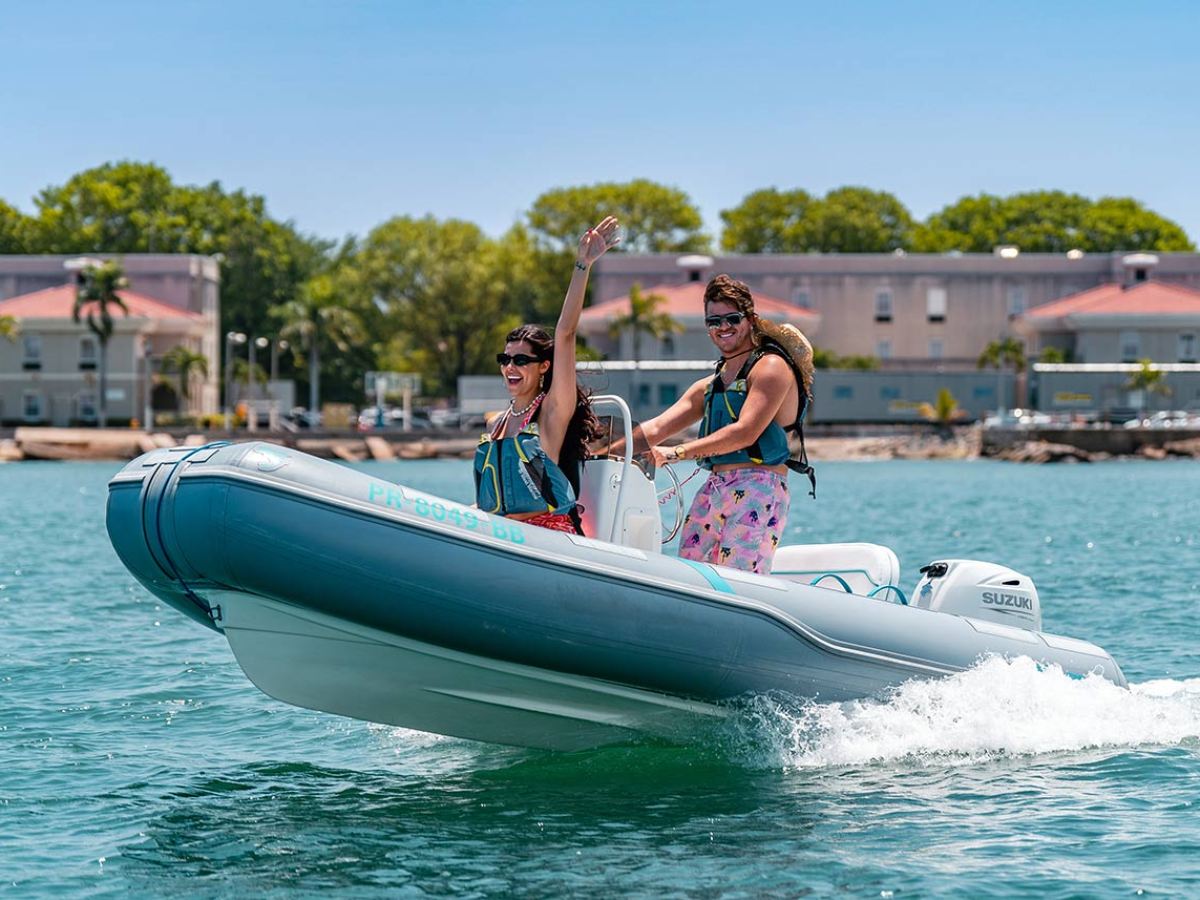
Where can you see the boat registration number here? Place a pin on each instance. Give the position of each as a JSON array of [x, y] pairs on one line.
[[395, 497]]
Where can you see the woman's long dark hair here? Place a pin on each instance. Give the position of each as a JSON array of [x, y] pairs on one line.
[[584, 426]]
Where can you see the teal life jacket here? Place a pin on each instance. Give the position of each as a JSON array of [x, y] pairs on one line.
[[723, 404], [514, 475]]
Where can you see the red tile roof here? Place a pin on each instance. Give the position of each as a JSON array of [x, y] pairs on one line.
[[1145, 298], [683, 300], [58, 302]]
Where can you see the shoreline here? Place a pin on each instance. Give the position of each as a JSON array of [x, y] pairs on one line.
[[918, 442]]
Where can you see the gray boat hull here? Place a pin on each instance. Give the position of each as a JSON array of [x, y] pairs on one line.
[[338, 591]]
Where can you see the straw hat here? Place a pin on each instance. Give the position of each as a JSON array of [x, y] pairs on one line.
[[793, 342]]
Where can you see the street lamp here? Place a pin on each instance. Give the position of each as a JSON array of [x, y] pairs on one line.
[[232, 338]]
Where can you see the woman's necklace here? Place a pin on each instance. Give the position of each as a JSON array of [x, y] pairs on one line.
[[520, 412]]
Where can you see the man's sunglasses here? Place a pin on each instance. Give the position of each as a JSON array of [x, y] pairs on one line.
[[734, 319], [517, 359]]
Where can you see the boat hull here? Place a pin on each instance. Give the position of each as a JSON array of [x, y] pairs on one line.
[[343, 593]]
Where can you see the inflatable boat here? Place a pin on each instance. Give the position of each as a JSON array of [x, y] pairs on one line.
[[340, 591]]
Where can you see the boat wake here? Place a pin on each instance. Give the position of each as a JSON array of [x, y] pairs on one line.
[[1000, 707]]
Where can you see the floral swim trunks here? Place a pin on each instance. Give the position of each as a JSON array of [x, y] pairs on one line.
[[737, 519]]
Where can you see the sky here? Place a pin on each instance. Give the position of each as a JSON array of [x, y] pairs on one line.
[[344, 114]]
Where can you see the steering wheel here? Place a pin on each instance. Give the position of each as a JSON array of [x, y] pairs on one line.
[[673, 494]]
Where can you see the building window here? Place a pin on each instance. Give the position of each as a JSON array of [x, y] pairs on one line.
[[1131, 346], [32, 346], [982, 390], [883, 349], [889, 393], [935, 348], [1016, 301], [800, 297], [31, 406], [883, 306], [843, 392], [667, 394], [935, 304], [668, 347], [643, 397], [1187, 348], [87, 353], [87, 407]]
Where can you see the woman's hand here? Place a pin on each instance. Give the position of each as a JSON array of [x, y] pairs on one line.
[[597, 240]]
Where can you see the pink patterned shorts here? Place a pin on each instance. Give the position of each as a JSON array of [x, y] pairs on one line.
[[737, 519]]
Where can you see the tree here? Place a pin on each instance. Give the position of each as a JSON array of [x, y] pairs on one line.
[[845, 220], [9, 328], [943, 412], [184, 361], [643, 318], [1006, 353], [1054, 355], [1048, 222], [769, 221], [315, 317], [827, 359], [14, 230], [859, 220], [1147, 380], [94, 302], [654, 218], [134, 207], [448, 294]]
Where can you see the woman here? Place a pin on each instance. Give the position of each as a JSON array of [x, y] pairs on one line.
[[527, 465]]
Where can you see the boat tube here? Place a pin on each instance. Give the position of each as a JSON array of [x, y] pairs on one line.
[[342, 592]]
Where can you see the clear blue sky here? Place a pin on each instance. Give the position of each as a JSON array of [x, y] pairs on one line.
[[343, 114]]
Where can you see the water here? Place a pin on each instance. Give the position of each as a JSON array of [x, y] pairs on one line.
[[136, 758]]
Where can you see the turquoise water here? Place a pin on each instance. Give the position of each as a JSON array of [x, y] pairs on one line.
[[135, 758]]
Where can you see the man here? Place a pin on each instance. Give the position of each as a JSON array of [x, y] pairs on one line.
[[759, 392]]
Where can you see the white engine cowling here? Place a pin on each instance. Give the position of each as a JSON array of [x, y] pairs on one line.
[[981, 590]]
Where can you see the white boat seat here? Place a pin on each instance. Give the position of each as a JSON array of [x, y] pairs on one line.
[[866, 569]]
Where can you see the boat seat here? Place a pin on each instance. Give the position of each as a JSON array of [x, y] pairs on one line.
[[865, 569]]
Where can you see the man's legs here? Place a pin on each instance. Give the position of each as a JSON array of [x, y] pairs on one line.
[[737, 519]]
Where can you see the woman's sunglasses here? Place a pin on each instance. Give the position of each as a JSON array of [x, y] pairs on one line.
[[517, 359], [734, 319]]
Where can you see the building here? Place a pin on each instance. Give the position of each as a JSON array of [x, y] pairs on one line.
[[917, 311], [49, 373]]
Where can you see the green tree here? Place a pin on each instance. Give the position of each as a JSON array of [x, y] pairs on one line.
[[1053, 355], [643, 318], [827, 359], [9, 328], [845, 220], [183, 361], [769, 221], [1048, 222], [1148, 380], [95, 300], [859, 220], [1008, 353], [15, 229], [448, 293], [134, 207], [943, 412], [318, 317], [654, 218]]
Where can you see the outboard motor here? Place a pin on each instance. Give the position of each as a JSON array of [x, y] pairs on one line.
[[981, 590]]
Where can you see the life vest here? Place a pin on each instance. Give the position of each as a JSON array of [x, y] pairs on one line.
[[514, 475], [723, 405]]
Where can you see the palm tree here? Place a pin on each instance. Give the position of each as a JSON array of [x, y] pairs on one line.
[[643, 318], [9, 327], [1002, 354], [94, 301], [315, 316], [1148, 380], [942, 412], [184, 361]]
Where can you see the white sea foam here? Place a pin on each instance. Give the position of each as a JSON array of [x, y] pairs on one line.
[[999, 707]]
